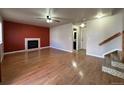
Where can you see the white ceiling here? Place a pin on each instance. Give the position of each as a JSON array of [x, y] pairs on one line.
[[29, 15]]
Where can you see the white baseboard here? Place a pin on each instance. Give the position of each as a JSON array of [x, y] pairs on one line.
[[61, 49], [14, 52], [95, 55], [45, 47], [111, 51], [25, 50], [103, 54]]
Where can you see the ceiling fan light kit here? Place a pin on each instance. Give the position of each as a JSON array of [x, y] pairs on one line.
[[51, 17], [49, 20]]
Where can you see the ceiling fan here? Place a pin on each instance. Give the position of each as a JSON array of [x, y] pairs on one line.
[[49, 18]]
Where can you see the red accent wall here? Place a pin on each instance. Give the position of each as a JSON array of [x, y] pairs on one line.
[[15, 34]]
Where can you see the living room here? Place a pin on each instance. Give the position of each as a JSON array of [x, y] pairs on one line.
[[55, 46]]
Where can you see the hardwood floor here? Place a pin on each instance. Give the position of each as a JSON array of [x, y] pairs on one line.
[[51, 66]]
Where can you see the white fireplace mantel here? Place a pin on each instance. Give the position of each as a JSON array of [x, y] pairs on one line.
[[29, 39]]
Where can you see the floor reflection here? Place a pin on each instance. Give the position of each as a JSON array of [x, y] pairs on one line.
[[52, 66]]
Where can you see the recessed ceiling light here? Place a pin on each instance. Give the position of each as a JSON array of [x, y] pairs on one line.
[[82, 25], [100, 15]]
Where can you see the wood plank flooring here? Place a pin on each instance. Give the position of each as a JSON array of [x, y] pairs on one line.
[[51, 66]]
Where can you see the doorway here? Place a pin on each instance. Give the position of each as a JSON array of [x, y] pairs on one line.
[[79, 39], [75, 43]]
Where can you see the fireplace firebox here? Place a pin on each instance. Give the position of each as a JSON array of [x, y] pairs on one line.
[[32, 43]]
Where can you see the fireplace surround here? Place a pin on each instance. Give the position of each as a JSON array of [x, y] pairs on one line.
[[32, 43]]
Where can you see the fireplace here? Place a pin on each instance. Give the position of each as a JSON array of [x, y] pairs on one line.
[[32, 43]]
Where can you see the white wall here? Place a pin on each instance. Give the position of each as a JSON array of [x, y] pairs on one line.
[[61, 37], [123, 18], [79, 39], [100, 29], [1, 41], [0, 30], [84, 38]]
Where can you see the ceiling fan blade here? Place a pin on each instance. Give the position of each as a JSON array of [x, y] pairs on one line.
[[56, 20], [40, 18], [62, 18]]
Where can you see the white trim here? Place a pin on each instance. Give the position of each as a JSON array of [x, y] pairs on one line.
[[95, 55], [104, 53], [44, 47], [25, 50], [29, 39], [18, 51], [111, 51], [61, 49], [113, 72], [117, 64]]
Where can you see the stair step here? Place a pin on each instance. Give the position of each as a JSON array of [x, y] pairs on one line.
[[118, 64], [113, 70], [120, 54], [115, 56]]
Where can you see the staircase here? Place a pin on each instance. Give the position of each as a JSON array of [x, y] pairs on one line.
[[113, 64], [114, 60]]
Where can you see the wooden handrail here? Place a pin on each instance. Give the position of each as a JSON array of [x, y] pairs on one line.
[[110, 38]]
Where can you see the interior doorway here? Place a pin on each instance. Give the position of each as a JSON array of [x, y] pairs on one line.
[[79, 38], [75, 39]]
